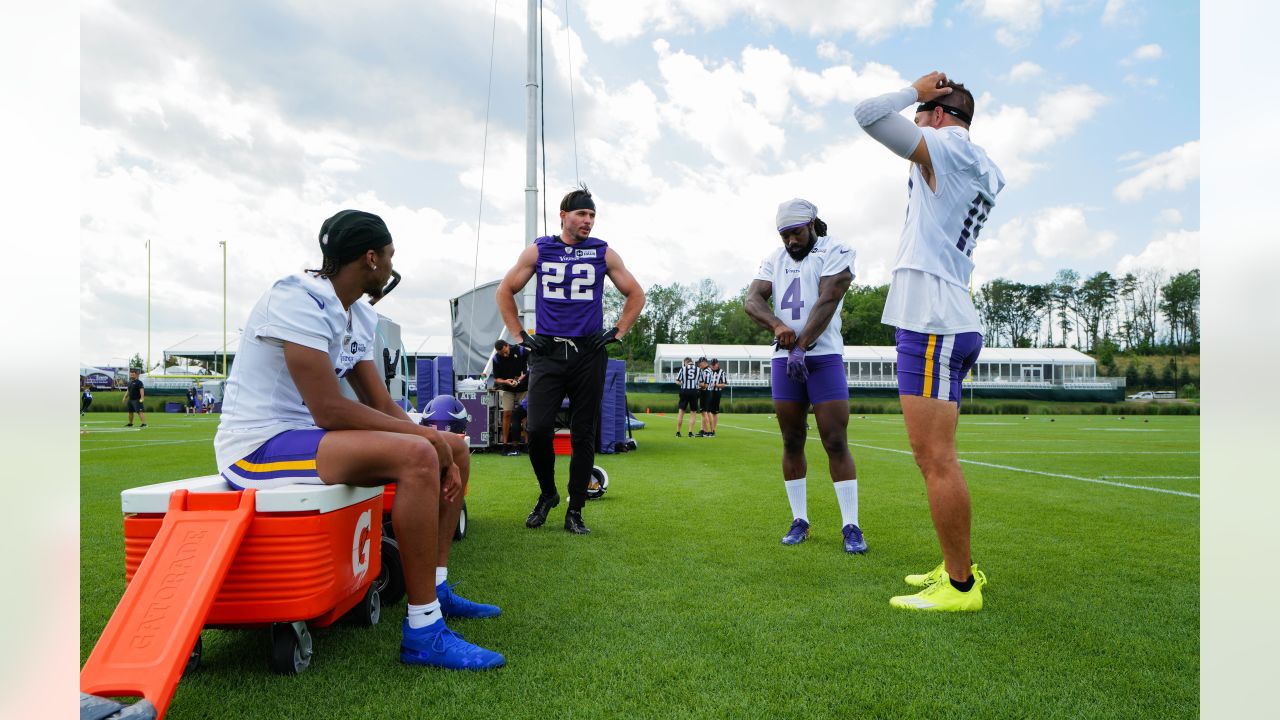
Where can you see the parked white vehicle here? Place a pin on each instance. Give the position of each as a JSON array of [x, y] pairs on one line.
[[1154, 395]]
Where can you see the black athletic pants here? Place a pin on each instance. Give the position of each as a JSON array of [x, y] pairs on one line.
[[565, 371]]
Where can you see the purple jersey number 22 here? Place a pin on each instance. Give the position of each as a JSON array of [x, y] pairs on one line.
[[791, 299]]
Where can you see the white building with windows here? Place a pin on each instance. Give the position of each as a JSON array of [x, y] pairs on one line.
[[870, 366]]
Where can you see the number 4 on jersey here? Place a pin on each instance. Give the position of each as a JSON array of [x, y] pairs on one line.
[[791, 299]]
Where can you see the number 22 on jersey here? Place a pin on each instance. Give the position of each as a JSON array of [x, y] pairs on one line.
[[579, 286], [791, 299]]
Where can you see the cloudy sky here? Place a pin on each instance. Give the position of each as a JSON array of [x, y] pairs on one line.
[[250, 122]]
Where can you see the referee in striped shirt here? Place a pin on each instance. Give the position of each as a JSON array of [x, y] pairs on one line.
[[714, 380], [687, 379]]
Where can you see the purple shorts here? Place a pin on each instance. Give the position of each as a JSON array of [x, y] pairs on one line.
[[826, 380], [286, 459], [933, 365]]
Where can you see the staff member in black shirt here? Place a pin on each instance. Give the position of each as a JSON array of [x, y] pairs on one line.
[[511, 380], [134, 394]]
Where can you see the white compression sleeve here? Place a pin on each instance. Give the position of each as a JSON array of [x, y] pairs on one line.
[[879, 117]]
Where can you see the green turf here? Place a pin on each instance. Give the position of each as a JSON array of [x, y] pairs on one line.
[[682, 603]]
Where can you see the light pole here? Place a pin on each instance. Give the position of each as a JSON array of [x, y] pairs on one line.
[[223, 243]]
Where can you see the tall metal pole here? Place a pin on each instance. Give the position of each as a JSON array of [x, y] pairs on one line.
[[531, 161], [223, 243], [147, 370]]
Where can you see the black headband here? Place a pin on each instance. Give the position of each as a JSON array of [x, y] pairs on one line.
[[582, 201], [956, 112]]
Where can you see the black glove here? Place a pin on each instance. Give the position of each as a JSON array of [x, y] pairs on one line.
[[534, 343], [602, 338]]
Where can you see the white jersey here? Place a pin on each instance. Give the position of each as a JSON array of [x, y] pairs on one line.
[[930, 287], [795, 289], [260, 399]]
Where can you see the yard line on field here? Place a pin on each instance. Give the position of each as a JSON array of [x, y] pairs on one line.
[[1125, 429], [146, 444], [1080, 452], [1001, 467], [1149, 477]]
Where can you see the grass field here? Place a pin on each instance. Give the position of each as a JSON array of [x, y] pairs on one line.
[[682, 603]]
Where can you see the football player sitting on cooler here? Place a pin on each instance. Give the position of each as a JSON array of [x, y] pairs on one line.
[[807, 278], [285, 420]]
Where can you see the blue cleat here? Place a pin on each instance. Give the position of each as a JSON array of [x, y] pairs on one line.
[[437, 645], [853, 540], [798, 533], [454, 605]]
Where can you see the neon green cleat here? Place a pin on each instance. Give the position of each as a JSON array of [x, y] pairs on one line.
[[941, 596], [929, 578]]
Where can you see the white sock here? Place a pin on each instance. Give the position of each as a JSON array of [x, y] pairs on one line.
[[796, 496], [424, 615], [442, 574], [847, 496]]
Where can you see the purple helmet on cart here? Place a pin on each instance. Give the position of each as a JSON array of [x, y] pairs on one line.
[[446, 413]]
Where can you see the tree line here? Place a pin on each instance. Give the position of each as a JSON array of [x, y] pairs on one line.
[[1142, 312]]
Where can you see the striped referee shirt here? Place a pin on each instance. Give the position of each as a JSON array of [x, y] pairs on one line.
[[688, 377], [716, 377]]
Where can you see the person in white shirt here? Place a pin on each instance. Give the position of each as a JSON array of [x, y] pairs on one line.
[[808, 277], [284, 420], [952, 186]]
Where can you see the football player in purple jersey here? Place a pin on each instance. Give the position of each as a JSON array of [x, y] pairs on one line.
[[567, 348]]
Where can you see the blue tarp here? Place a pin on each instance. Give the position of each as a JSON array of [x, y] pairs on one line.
[[435, 377], [613, 407]]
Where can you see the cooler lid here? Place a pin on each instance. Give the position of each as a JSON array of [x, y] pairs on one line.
[[154, 499]]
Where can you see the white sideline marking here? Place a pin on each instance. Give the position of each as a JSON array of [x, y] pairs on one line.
[[146, 444], [1000, 467]]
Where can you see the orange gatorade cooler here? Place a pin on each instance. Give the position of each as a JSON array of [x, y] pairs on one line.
[[200, 554]]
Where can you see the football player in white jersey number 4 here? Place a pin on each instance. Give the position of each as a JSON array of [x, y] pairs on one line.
[[808, 277], [284, 420], [951, 187]]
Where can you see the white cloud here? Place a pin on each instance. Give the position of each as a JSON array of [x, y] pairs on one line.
[[828, 50], [1023, 71], [1114, 12], [1143, 53], [1026, 245], [871, 20], [1071, 38], [1170, 216], [1136, 80], [1012, 135], [1019, 20], [1170, 170], [1173, 252]]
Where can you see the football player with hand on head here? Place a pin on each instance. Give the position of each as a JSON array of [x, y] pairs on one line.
[[807, 278], [952, 186]]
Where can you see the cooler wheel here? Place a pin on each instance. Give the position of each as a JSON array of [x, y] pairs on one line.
[[461, 531], [290, 647], [367, 612], [390, 580], [193, 661]]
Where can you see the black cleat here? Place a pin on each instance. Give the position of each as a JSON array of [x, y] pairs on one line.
[[540, 510], [677, 432], [573, 523]]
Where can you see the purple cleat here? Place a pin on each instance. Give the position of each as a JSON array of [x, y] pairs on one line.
[[454, 605], [798, 533], [853, 541], [437, 645]]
